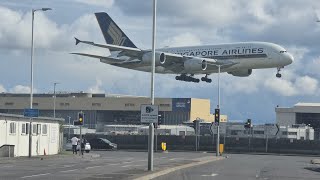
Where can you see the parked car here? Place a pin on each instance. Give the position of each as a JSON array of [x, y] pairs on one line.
[[68, 146], [102, 143]]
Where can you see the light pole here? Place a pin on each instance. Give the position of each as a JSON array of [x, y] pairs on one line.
[[218, 107], [151, 127], [54, 99], [31, 90], [69, 127]]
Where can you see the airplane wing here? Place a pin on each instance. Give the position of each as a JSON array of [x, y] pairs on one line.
[[179, 59], [135, 54], [125, 51]]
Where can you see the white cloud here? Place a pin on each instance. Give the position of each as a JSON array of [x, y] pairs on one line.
[[2, 89], [184, 39], [304, 85], [104, 3], [20, 89], [97, 88]]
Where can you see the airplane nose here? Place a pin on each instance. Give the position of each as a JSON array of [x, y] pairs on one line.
[[288, 58]]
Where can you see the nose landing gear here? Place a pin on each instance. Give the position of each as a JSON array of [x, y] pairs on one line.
[[278, 75]]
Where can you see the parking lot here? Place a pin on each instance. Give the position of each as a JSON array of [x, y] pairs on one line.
[[93, 165]]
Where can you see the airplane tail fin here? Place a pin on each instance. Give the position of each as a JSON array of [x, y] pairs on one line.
[[111, 31]]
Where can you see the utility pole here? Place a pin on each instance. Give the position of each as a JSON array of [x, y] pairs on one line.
[[151, 127], [31, 88], [218, 107], [54, 99]]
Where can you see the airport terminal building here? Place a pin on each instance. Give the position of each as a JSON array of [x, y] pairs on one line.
[[102, 109], [300, 113]]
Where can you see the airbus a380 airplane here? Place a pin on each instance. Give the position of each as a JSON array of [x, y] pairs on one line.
[[237, 59]]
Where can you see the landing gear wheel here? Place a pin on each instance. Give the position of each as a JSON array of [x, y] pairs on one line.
[[278, 75], [209, 80]]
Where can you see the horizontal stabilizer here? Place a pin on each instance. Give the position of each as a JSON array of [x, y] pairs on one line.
[[107, 60]]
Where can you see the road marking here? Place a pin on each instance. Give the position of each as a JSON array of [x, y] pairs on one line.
[[113, 164], [175, 159], [34, 175], [210, 175], [127, 162], [92, 167], [126, 166], [8, 166], [69, 170], [69, 165], [201, 161]]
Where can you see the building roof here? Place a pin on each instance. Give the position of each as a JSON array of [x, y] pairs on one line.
[[307, 104], [21, 117]]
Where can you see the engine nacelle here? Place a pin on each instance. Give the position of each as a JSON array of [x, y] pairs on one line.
[[241, 73], [160, 58], [195, 64]]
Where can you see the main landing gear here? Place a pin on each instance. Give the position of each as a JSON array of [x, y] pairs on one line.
[[206, 79], [184, 77], [278, 75]]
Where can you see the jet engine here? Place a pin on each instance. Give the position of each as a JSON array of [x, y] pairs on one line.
[[160, 58], [241, 73], [195, 64]]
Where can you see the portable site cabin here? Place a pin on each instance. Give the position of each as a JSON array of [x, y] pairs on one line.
[[14, 135]]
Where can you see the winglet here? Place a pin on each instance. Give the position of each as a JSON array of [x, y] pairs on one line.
[[77, 40]]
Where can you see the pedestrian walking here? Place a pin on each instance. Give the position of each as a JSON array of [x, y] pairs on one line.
[[74, 142]]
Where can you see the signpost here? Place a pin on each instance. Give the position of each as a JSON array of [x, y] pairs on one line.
[[149, 113], [31, 113]]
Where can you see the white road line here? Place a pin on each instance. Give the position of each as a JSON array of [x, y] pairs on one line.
[[175, 159], [8, 166], [113, 164], [68, 165], [34, 175], [210, 175], [92, 167], [126, 166], [69, 170], [127, 162]]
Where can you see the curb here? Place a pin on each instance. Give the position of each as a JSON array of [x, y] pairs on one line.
[[203, 160]]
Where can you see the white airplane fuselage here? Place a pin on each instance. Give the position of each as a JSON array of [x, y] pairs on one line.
[[247, 55]]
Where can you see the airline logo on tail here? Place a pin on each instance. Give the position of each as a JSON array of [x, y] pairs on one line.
[[116, 34], [111, 31]]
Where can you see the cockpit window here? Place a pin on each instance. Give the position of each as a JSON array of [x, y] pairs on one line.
[[283, 51]]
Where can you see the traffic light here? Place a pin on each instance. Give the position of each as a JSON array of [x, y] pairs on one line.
[[194, 124], [160, 119], [248, 124], [80, 119], [217, 116]]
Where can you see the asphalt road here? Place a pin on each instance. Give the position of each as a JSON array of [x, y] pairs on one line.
[[249, 167], [104, 165]]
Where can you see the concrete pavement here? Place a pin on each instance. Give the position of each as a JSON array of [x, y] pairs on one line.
[[244, 167], [106, 165]]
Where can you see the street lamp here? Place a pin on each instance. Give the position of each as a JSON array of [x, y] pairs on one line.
[[69, 127], [218, 107], [31, 90], [54, 99]]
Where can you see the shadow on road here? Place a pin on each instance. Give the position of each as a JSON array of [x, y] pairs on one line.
[[316, 169]]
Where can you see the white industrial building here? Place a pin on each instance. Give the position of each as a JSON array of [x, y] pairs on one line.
[[300, 113], [298, 132], [14, 135]]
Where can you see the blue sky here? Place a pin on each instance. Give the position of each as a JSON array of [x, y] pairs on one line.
[[290, 23]]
